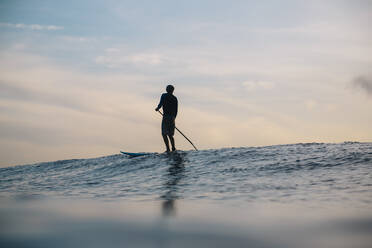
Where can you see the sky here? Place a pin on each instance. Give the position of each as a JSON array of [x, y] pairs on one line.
[[81, 79]]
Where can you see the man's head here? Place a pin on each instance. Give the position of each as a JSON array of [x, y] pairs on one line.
[[170, 89]]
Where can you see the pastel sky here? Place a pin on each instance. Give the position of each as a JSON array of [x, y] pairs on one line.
[[82, 78]]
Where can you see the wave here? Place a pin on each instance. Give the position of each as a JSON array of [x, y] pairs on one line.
[[245, 173]]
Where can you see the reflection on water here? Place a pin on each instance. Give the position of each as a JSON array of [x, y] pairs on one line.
[[59, 224], [175, 173]]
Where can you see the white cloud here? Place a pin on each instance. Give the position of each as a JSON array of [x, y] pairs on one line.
[[31, 26], [149, 58], [112, 50], [114, 59], [257, 85], [78, 39], [19, 46], [311, 104]]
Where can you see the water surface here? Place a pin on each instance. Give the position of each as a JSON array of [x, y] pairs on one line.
[[250, 196]]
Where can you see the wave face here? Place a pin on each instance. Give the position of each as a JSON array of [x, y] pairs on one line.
[[310, 172]]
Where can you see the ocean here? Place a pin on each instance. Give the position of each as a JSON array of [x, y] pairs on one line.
[[296, 195]]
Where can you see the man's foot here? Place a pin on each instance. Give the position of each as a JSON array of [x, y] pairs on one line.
[[167, 151], [173, 149]]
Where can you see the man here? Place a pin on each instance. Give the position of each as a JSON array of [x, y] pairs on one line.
[[170, 107]]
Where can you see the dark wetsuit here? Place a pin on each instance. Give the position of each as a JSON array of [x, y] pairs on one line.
[[170, 107]]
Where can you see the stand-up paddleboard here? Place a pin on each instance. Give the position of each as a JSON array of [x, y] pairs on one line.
[[135, 154]]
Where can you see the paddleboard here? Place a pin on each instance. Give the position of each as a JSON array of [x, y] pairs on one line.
[[135, 154]]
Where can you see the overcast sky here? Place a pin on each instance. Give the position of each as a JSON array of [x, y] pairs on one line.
[[82, 78]]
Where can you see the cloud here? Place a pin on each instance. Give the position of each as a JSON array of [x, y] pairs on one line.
[[16, 92], [256, 85], [78, 39], [311, 104], [112, 50], [364, 83], [31, 26], [114, 59]]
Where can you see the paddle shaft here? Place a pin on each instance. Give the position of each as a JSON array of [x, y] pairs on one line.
[[182, 134]]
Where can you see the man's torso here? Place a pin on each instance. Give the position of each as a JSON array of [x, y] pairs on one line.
[[170, 104]]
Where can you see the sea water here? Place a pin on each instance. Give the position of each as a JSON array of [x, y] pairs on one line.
[[299, 195]]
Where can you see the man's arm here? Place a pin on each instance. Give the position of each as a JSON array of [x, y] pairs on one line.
[[176, 108], [160, 103]]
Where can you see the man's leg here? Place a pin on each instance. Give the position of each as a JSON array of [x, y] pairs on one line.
[[172, 142], [166, 142]]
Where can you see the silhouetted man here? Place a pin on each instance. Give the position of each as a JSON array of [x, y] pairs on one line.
[[170, 107]]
